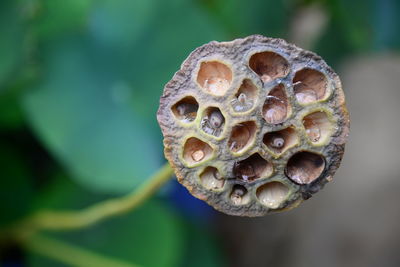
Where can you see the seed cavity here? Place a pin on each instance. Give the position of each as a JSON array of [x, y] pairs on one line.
[[275, 109], [314, 133], [318, 127], [239, 195], [245, 97], [252, 168], [242, 135], [269, 65], [186, 109], [282, 140], [195, 151], [309, 86], [272, 194], [305, 167], [214, 77], [211, 179], [213, 121], [306, 96]]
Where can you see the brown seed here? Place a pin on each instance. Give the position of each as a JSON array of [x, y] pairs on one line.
[[216, 119], [277, 142], [198, 155], [242, 98], [306, 96], [237, 194], [215, 85], [314, 133]]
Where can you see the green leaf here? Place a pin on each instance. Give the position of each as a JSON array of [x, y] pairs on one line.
[[78, 112], [243, 18], [202, 247], [11, 114], [16, 188], [62, 193], [12, 29], [355, 26], [119, 24], [149, 236], [347, 32], [55, 17]]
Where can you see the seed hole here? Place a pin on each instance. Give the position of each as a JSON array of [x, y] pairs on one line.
[[239, 195], [245, 97], [211, 179], [252, 168], [272, 194], [186, 109], [213, 121], [214, 77], [318, 126], [309, 86], [276, 106], [305, 167], [242, 135], [195, 151], [282, 140], [269, 65]]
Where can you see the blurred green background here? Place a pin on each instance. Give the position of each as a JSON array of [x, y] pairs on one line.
[[80, 82]]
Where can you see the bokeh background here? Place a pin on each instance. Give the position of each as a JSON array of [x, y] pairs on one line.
[[80, 82]]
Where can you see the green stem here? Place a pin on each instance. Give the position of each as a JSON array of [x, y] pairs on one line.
[[68, 220], [68, 254], [26, 231]]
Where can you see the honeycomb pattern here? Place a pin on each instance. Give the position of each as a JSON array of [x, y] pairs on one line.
[[255, 125]]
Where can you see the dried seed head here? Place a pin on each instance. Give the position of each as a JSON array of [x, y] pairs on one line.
[[253, 126]]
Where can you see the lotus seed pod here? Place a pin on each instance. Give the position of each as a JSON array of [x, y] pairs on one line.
[[253, 126]]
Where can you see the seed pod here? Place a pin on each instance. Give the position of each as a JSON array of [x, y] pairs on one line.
[[253, 126]]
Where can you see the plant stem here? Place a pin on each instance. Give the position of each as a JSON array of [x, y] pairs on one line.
[[70, 220], [68, 254], [25, 232]]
